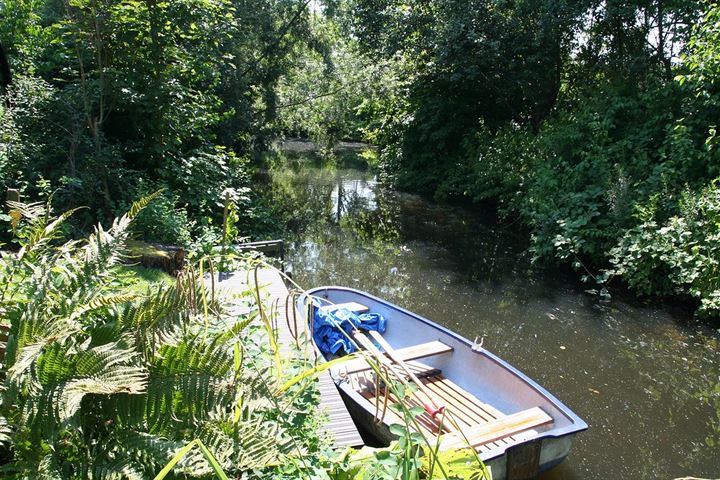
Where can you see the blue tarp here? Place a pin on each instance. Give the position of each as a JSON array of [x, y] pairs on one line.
[[328, 327]]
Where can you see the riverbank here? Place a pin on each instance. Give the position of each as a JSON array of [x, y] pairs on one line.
[[303, 154], [642, 375], [176, 377]]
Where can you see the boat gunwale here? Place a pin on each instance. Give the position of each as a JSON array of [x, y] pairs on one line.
[[577, 423]]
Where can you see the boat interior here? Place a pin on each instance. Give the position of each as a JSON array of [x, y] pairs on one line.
[[465, 419]]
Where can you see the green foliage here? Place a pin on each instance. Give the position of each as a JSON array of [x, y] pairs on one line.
[[412, 456], [323, 97], [121, 372], [462, 64], [703, 60], [678, 256], [565, 116], [111, 95], [107, 379], [494, 166], [164, 222], [204, 176]]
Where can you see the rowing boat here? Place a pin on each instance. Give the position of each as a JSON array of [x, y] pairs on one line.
[[517, 427]]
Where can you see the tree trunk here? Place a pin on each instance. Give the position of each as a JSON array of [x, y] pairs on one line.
[[665, 61], [5, 74], [551, 88]]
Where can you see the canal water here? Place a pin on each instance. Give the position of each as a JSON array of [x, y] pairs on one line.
[[646, 379]]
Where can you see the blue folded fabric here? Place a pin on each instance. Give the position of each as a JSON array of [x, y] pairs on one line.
[[329, 325]]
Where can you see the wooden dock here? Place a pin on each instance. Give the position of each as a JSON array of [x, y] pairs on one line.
[[275, 293]]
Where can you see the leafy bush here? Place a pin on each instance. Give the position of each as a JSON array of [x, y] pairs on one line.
[[201, 178], [678, 256], [106, 95], [162, 221], [566, 117], [493, 166]]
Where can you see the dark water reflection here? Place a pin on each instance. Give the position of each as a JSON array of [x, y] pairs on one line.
[[646, 381]]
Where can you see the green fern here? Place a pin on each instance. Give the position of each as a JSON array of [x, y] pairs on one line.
[[140, 204], [100, 383]]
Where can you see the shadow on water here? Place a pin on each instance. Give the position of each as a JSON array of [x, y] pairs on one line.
[[646, 380]]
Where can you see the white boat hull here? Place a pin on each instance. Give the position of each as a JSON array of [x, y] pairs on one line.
[[477, 371]]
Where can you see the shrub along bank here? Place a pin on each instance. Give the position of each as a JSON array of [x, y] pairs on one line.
[[594, 127]]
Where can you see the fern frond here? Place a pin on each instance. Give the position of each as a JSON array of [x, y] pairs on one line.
[[101, 302], [120, 469], [154, 319], [41, 233], [66, 373], [123, 382], [105, 249], [195, 354], [140, 204], [237, 327], [5, 432], [145, 447], [260, 445], [28, 356], [177, 401], [30, 211], [34, 335], [255, 446], [48, 469]]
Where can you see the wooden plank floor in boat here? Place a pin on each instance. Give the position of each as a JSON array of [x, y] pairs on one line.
[[463, 407], [275, 293]]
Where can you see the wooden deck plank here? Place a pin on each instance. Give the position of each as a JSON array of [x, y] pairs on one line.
[[275, 294]]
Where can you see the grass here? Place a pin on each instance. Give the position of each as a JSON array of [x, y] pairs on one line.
[[137, 279]]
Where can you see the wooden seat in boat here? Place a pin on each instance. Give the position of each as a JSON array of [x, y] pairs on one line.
[[420, 370], [407, 354], [506, 426], [352, 306]]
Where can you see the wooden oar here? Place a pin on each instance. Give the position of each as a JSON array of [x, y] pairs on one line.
[[395, 358], [430, 406], [369, 346]]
